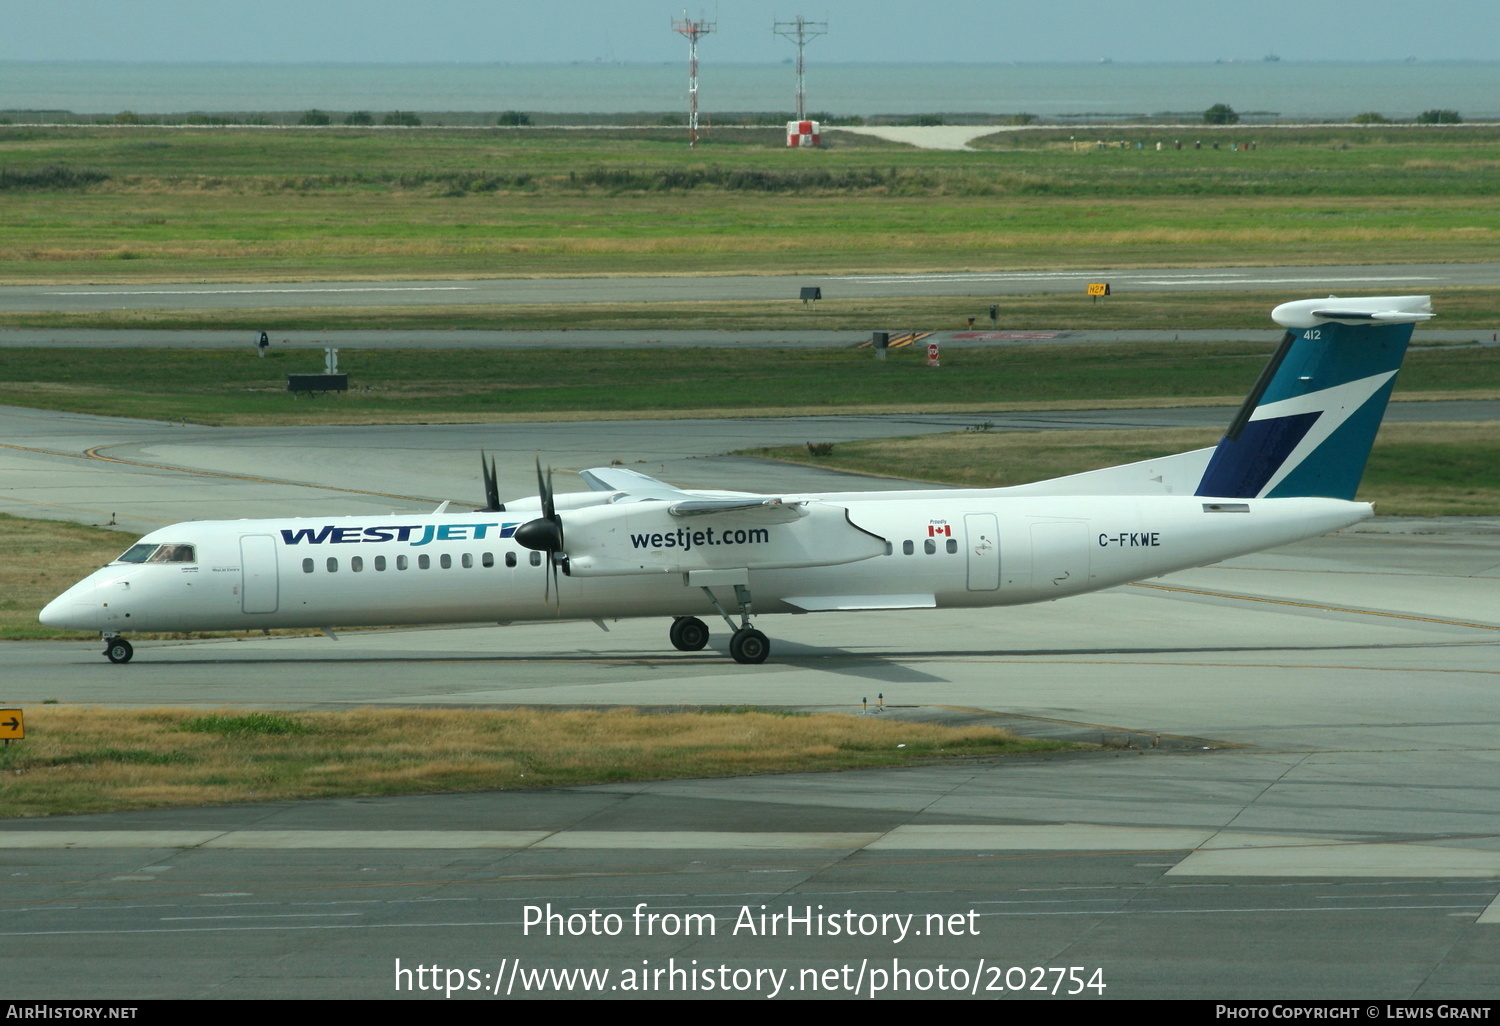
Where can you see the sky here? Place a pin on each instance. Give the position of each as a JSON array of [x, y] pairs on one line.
[[888, 31]]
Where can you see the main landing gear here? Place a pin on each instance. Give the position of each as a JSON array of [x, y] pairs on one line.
[[746, 644], [117, 649], [689, 634]]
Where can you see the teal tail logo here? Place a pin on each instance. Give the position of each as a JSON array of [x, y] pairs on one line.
[[1307, 427]]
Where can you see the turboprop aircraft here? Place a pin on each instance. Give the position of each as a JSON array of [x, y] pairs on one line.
[[1286, 469]]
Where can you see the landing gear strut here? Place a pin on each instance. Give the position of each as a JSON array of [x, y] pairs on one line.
[[117, 649], [746, 644], [689, 634]]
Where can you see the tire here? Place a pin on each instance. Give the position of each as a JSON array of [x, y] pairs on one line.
[[749, 646], [689, 634], [118, 650]]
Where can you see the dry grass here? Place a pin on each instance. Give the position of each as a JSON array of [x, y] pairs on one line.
[[79, 759], [41, 558]]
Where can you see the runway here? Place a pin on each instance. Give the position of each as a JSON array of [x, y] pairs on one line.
[[1297, 795], [1390, 279]]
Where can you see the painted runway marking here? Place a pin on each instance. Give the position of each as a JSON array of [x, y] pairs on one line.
[[261, 292], [1315, 605]]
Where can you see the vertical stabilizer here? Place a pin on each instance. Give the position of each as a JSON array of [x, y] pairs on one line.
[[1307, 427]]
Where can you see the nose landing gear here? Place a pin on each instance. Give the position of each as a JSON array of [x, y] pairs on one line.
[[117, 649]]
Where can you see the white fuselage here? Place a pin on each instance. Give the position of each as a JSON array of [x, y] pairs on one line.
[[945, 549]]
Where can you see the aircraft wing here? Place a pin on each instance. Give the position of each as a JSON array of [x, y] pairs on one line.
[[635, 487], [754, 509]]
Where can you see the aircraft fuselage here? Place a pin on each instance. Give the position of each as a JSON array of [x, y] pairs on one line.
[[942, 549]]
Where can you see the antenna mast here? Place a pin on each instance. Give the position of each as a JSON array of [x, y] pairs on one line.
[[693, 30], [799, 32]]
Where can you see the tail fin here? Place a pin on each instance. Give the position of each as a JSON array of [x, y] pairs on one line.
[[1307, 426]]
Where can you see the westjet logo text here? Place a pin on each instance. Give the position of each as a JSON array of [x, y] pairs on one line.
[[413, 534], [687, 540]]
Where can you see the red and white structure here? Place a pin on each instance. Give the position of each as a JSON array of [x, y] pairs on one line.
[[802, 133], [799, 32], [693, 31]]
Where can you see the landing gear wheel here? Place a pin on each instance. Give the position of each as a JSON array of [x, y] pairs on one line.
[[689, 634], [118, 650], [748, 645]]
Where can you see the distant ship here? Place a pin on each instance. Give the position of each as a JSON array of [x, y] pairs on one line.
[[1270, 58]]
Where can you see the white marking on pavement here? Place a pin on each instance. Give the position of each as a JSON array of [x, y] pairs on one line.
[[259, 292]]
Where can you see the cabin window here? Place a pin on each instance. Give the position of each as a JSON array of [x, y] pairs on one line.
[[356, 563], [446, 561], [536, 558], [906, 548], [952, 546], [424, 562], [333, 564], [380, 563], [487, 560], [468, 560], [510, 559], [400, 562], [929, 546], [889, 548], [307, 565]]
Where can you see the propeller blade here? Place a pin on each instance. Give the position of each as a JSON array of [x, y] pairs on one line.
[[492, 503], [544, 490], [545, 534]]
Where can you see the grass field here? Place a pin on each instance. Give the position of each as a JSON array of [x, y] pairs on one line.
[[102, 204], [1458, 308], [393, 386], [39, 559], [79, 759]]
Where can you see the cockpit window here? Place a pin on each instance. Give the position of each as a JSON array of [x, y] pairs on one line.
[[174, 554], [148, 553]]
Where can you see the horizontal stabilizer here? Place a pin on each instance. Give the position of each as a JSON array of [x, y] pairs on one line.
[[1308, 313]]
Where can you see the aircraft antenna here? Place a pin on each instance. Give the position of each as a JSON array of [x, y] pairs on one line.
[[693, 30], [800, 32]]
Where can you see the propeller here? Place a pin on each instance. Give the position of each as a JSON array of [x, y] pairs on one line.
[[545, 534], [492, 503]]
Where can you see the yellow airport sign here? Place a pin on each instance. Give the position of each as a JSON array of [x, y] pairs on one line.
[[1098, 288], [12, 725]]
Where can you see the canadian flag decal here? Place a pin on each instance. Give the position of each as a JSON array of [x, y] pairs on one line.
[[933, 531]]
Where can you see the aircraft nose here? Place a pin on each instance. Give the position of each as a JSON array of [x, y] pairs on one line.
[[54, 613], [74, 609]]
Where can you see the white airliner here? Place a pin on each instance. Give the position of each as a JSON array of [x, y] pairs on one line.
[[1286, 469]]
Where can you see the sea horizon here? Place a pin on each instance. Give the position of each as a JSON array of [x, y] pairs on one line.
[[1315, 90]]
